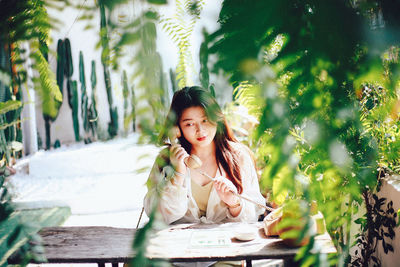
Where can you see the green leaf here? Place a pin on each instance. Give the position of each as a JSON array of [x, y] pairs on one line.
[[157, 2], [14, 233], [9, 106], [398, 218], [151, 15], [48, 89]]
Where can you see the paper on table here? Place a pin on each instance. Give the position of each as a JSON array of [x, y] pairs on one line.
[[210, 239]]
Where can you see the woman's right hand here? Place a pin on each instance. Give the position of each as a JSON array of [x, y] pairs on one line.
[[177, 156]]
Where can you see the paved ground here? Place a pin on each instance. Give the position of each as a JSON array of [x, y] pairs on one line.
[[99, 181]]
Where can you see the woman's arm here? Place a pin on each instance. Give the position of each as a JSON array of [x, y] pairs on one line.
[[251, 188], [170, 198]]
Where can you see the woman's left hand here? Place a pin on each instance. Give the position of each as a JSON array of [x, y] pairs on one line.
[[225, 189]]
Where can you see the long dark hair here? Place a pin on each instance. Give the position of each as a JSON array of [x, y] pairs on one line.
[[196, 96]]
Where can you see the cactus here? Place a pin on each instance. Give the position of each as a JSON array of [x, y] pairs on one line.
[[74, 101], [68, 68], [60, 64], [71, 87], [113, 124], [93, 105], [84, 97]]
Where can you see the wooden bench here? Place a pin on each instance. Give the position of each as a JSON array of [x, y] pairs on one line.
[[103, 245]]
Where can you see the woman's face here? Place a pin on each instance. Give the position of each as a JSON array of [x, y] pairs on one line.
[[196, 127]]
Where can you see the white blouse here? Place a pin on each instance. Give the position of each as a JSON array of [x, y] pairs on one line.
[[177, 205]]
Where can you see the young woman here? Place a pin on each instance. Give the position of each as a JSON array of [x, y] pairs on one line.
[[186, 195]]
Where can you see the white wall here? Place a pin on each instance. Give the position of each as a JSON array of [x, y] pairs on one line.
[[391, 193], [85, 41]]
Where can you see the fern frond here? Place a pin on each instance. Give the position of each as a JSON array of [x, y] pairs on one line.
[[48, 89], [249, 95], [180, 28]]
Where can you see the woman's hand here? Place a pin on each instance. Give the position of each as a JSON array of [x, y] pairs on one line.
[[225, 189], [177, 156]]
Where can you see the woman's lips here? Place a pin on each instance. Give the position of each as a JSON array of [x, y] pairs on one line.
[[201, 138]]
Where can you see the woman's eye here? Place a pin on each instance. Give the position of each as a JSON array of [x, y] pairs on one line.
[[189, 124], [205, 120]]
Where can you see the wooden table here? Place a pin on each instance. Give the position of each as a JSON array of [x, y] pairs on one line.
[[176, 243]]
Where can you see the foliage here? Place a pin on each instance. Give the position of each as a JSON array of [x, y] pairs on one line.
[[148, 72], [61, 58], [19, 231], [180, 28], [125, 93], [132, 116], [105, 61], [294, 69], [29, 21], [24, 24], [378, 115], [300, 74], [378, 226], [10, 243], [148, 75], [376, 103]]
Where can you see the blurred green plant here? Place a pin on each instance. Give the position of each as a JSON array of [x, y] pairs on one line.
[[13, 233], [105, 61], [148, 73], [180, 28], [132, 116], [23, 33], [47, 82], [300, 74], [125, 94], [10, 102], [378, 115]]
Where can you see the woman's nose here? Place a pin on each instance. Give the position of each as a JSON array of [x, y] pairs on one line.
[[199, 128]]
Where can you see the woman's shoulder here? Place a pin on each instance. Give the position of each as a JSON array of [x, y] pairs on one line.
[[241, 150]]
